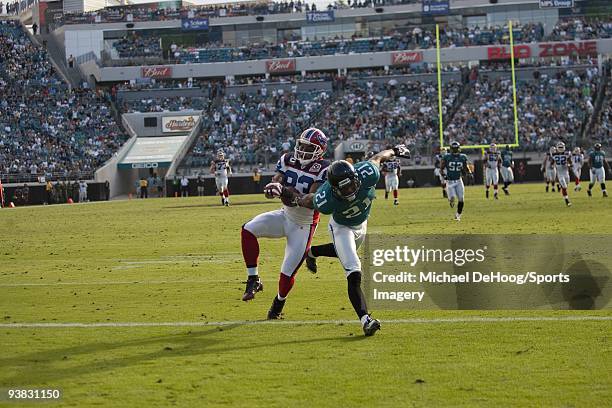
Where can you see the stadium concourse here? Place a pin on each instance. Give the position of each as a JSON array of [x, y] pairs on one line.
[[396, 39]]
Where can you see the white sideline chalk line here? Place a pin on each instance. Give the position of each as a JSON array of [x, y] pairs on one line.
[[136, 282], [306, 322]]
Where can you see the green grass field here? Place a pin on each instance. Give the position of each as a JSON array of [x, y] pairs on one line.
[[179, 260]]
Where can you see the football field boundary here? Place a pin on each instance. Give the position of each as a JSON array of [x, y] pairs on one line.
[[304, 322]]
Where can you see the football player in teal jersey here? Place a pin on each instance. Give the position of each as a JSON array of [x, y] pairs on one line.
[[455, 164], [347, 195], [597, 163], [506, 168]]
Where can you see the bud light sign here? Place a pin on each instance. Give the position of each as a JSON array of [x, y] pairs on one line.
[[436, 7], [320, 16]]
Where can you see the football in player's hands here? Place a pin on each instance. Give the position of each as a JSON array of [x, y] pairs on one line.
[[273, 190], [289, 196], [401, 151]]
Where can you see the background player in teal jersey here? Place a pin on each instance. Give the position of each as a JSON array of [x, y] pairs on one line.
[[597, 162], [347, 195], [506, 168], [456, 164]]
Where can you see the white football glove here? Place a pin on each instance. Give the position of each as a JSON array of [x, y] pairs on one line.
[[401, 151], [273, 190]]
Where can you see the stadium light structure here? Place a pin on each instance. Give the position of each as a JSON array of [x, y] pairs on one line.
[[441, 123]]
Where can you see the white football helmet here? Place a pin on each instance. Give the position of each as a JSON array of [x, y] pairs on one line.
[[493, 147], [310, 146], [576, 150], [220, 155], [560, 147]]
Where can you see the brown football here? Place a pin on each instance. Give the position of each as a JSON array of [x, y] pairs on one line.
[[289, 197]]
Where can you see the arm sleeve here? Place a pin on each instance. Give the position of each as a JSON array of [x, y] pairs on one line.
[[323, 200]]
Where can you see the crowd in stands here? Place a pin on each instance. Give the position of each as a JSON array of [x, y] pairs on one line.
[[550, 108], [45, 127], [16, 7], [138, 46], [165, 104], [256, 128], [136, 13]]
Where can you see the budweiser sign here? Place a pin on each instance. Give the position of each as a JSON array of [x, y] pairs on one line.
[[286, 65], [560, 49], [406, 57], [156, 72], [173, 124]]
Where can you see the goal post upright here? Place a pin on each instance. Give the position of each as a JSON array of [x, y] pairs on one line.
[[514, 97]]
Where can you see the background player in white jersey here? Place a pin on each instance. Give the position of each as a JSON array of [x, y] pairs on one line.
[[392, 170], [221, 168], [303, 172], [577, 163], [563, 163], [492, 161], [548, 167], [439, 173]]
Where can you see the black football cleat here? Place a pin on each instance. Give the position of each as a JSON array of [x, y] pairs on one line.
[[371, 326], [311, 264], [276, 309], [506, 192], [253, 286], [589, 193]]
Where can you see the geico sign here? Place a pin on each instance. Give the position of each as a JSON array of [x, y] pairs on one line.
[[561, 49]]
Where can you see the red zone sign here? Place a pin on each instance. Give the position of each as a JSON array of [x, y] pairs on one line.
[[406, 57], [562, 49], [286, 65], [156, 72]]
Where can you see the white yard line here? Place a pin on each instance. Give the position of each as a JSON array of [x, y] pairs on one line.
[[307, 322]]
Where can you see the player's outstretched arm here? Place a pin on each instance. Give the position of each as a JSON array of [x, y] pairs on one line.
[[212, 167], [306, 201], [381, 157]]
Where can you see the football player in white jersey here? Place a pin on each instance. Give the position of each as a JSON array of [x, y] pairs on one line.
[[303, 170], [492, 162], [548, 167], [392, 170], [220, 167], [577, 163], [563, 163]]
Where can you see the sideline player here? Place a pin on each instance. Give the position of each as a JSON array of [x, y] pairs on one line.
[[348, 195], [597, 164], [548, 167], [439, 173], [492, 161], [507, 164], [563, 163], [220, 167], [305, 170], [455, 164], [392, 170], [577, 163]]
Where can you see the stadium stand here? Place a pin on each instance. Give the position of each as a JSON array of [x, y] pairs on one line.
[[399, 38], [550, 108], [45, 127]]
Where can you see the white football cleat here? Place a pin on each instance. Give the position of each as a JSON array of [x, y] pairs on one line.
[[457, 217]]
